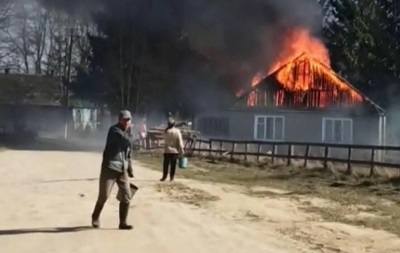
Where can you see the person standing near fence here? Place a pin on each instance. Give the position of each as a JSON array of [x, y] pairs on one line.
[[116, 168], [173, 147], [143, 133]]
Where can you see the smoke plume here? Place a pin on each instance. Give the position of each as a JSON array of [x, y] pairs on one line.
[[240, 37]]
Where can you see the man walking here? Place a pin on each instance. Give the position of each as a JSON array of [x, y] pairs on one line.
[[116, 167]]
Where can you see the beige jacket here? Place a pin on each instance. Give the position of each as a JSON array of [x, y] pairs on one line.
[[173, 142]]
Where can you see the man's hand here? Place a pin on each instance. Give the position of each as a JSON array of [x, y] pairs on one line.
[[129, 127], [130, 172]]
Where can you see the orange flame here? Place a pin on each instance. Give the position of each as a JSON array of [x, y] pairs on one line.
[[300, 41], [303, 60]]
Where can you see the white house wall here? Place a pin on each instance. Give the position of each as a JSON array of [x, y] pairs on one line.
[[306, 126]]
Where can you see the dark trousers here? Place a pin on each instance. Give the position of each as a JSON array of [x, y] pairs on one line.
[[169, 164], [108, 178]]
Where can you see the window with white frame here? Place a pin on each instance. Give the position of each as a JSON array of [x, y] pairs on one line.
[[337, 130], [269, 127]]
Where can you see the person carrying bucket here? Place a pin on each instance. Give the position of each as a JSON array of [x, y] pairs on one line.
[[173, 147]]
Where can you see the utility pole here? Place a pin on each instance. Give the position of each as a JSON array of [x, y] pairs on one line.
[[67, 81]]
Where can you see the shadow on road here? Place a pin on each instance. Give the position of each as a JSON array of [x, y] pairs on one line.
[[44, 230], [70, 180], [147, 180]]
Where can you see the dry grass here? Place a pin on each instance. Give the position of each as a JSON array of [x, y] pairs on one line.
[[358, 207], [356, 199], [252, 216], [185, 194]]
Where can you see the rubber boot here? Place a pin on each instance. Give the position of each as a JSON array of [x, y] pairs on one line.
[[96, 215], [123, 216]]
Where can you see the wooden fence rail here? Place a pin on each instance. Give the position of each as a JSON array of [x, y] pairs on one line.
[[201, 146], [375, 158]]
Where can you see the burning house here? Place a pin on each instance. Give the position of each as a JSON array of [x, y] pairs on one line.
[[300, 99]]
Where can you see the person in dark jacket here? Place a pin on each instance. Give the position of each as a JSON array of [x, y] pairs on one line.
[[116, 167]]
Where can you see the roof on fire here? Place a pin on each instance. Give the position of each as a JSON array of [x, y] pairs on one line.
[[327, 70]]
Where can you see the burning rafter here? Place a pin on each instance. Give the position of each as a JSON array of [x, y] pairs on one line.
[[304, 82], [301, 77]]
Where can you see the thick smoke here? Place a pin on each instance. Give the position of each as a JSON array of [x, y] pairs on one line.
[[240, 37]]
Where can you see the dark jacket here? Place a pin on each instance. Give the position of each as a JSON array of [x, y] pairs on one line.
[[117, 153]]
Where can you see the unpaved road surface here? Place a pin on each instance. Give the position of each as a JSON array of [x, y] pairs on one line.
[[47, 198]]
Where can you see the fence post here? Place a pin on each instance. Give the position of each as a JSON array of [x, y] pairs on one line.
[[233, 150], [210, 148], [306, 156], [371, 172], [246, 149], [220, 148], [349, 161], [290, 154], [258, 152], [147, 143], [273, 153], [199, 149], [326, 156]]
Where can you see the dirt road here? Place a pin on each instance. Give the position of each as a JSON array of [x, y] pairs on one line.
[[48, 198]]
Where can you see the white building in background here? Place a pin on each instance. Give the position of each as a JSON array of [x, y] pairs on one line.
[[85, 119]]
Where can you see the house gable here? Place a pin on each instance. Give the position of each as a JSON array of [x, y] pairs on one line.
[[304, 83]]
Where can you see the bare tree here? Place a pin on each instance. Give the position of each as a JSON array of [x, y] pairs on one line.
[[19, 34], [58, 59], [5, 12], [5, 16], [127, 64], [51, 52], [83, 49], [20, 45], [39, 37], [61, 56]]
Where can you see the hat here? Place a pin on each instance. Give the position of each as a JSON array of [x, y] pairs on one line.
[[125, 114], [171, 121]]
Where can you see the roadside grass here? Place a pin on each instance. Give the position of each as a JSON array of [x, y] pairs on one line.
[[186, 194], [356, 199]]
